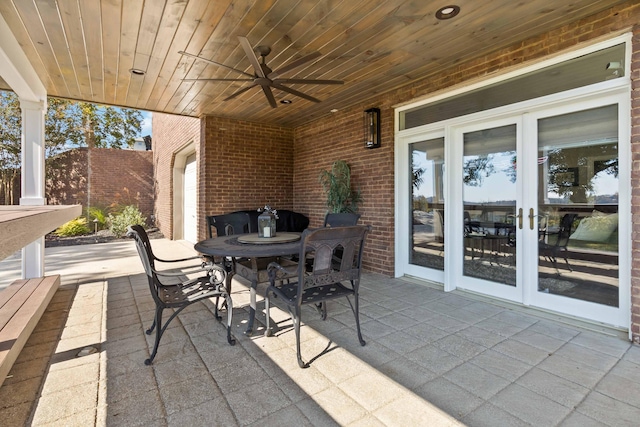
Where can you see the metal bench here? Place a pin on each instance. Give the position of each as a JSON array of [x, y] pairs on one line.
[[21, 306]]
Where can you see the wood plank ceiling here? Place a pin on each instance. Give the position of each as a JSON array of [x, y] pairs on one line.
[[86, 49]]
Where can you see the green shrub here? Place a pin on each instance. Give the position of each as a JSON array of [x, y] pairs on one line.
[[94, 213], [75, 227], [130, 215]]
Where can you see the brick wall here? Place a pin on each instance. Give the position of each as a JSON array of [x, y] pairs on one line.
[[339, 136], [121, 177], [243, 165], [101, 177], [635, 184], [170, 134]]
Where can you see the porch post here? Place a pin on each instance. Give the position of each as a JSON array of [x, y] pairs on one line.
[[33, 179]]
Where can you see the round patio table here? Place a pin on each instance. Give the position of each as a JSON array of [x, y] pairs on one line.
[[255, 258]]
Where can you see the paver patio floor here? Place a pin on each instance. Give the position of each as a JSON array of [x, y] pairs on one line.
[[432, 359]]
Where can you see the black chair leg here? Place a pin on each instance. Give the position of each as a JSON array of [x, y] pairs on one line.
[[356, 312], [296, 323], [568, 265], [157, 322], [219, 276], [152, 327], [566, 260], [215, 311], [229, 303], [321, 308]]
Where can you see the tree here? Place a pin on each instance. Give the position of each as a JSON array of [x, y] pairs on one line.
[[417, 172], [580, 189], [101, 126], [10, 135], [67, 124], [476, 168], [61, 127]]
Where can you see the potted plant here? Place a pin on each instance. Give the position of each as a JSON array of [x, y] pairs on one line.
[[337, 184]]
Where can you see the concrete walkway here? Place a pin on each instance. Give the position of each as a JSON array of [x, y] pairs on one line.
[[431, 359]]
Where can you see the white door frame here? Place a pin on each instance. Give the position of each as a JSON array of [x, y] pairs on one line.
[[616, 316], [600, 94], [454, 228], [179, 163], [403, 223], [190, 201]]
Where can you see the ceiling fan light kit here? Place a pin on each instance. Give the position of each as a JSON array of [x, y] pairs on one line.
[[264, 77]]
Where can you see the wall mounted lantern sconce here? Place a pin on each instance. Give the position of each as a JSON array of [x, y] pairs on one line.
[[372, 128]]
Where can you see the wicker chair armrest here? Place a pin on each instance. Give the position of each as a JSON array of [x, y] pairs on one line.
[[178, 260], [183, 271]]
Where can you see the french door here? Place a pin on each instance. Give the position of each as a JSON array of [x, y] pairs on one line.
[[580, 204], [486, 199], [531, 207]]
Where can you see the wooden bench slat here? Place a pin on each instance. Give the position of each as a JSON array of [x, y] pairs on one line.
[[25, 314], [15, 333], [10, 290], [17, 301]]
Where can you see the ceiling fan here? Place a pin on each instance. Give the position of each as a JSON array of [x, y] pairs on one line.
[[264, 76]]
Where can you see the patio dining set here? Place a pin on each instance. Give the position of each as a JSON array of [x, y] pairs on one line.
[[302, 266]]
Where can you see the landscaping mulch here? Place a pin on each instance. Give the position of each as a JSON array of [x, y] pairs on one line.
[[102, 236]]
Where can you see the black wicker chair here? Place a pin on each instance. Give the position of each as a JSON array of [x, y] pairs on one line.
[[227, 225], [325, 281], [334, 219], [552, 251], [178, 296], [287, 220], [342, 219]]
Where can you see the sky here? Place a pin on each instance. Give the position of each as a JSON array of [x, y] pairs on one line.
[[499, 187], [146, 123]]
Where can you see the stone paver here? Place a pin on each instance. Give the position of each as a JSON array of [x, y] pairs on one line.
[[432, 358]]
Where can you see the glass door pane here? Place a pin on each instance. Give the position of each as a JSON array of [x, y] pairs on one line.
[[489, 203], [427, 203], [578, 206]]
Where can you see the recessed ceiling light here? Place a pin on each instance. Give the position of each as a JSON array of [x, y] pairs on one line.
[[286, 101], [137, 72], [447, 12]]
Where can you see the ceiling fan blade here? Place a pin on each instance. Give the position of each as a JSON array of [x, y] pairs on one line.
[[310, 81], [217, 80], [251, 56], [294, 64], [214, 63], [240, 92], [269, 95], [295, 92]]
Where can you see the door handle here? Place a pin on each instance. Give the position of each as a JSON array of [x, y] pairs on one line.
[[531, 217], [520, 218]]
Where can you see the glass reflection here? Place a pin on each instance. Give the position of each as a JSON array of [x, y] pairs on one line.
[[489, 197], [427, 198], [578, 205]]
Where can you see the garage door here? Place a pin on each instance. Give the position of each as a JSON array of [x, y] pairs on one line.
[[190, 231]]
